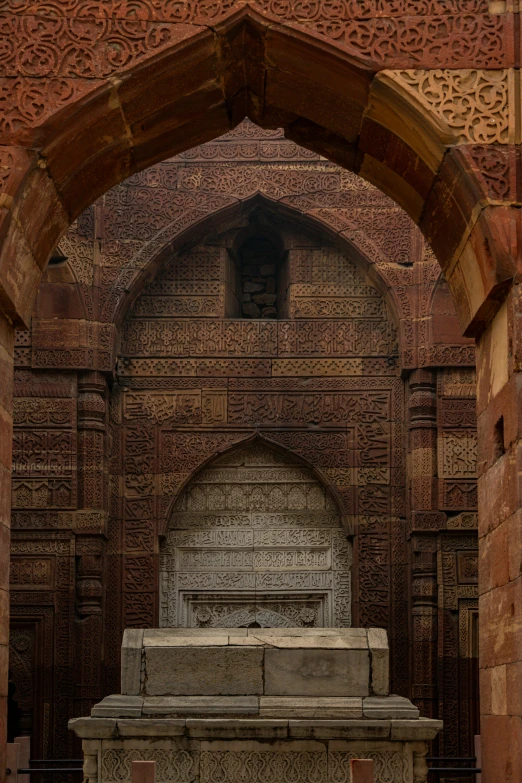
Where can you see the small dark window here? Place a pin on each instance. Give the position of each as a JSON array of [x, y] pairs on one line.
[[258, 274]]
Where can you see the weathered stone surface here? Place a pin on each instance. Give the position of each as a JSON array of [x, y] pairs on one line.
[[234, 728], [118, 706], [200, 705], [344, 729], [312, 641], [389, 707], [203, 670], [312, 707], [299, 672], [131, 650], [151, 727], [421, 729], [86, 728], [380, 661]]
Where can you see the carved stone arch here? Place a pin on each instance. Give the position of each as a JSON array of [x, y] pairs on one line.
[[196, 224], [255, 537], [236, 442], [391, 126]]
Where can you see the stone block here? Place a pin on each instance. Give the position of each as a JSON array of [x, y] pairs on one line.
[[117, 706], [149, 634], [237, 728], [240, 641], [310, 672], [251, 309], [101, 728], [313, 707], [330, 641], [131, 661], [389, 708], [422, 729], [352, 633], [267, 269], [501, 736], [201, 705], [211, 671], [380, 661], [152, 727], [501, 613], [253, 288], [187, 641], [342, 729]]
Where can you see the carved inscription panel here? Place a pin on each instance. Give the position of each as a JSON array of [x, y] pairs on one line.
[[255, 540]]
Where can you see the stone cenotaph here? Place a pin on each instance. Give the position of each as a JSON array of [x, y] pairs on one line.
[[251, 705]]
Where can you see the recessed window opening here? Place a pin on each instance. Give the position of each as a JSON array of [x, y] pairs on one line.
[[258, 274]]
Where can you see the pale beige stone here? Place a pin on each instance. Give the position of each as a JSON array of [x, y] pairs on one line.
[[254, 746], [210, 671], [117, 705], [131, 661], [353, 633], [237, 728], [152, 727], [167, 640], [87, 728], [335, 642], [245, 641], [200, 705], [313, 707], [389, 707], [331, 729], [194, 633], [421, 730], [380, 661], [313, 672]]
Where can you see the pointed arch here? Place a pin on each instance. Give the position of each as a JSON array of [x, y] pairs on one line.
[[196, 223], [248, 439], [192, 81], [228, 559]]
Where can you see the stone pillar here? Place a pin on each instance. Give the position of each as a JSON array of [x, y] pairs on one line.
[[92, 490], [499, 404], [90, 547], [6, 444], [422, 407]]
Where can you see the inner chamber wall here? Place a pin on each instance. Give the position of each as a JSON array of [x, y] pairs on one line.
[[100, 458], [257, 536]]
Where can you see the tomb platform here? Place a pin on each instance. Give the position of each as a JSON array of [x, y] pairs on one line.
[[255, 705]]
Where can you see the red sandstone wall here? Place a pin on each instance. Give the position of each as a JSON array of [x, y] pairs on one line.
[[96, 471]]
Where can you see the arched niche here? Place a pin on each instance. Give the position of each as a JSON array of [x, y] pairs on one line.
[[255, 540]]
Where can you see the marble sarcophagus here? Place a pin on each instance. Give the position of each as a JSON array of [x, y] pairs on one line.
[[255, 706]]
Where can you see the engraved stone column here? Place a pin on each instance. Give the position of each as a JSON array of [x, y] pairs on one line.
[[422, 408], [90, 546], [91, 440], [424, 619]]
